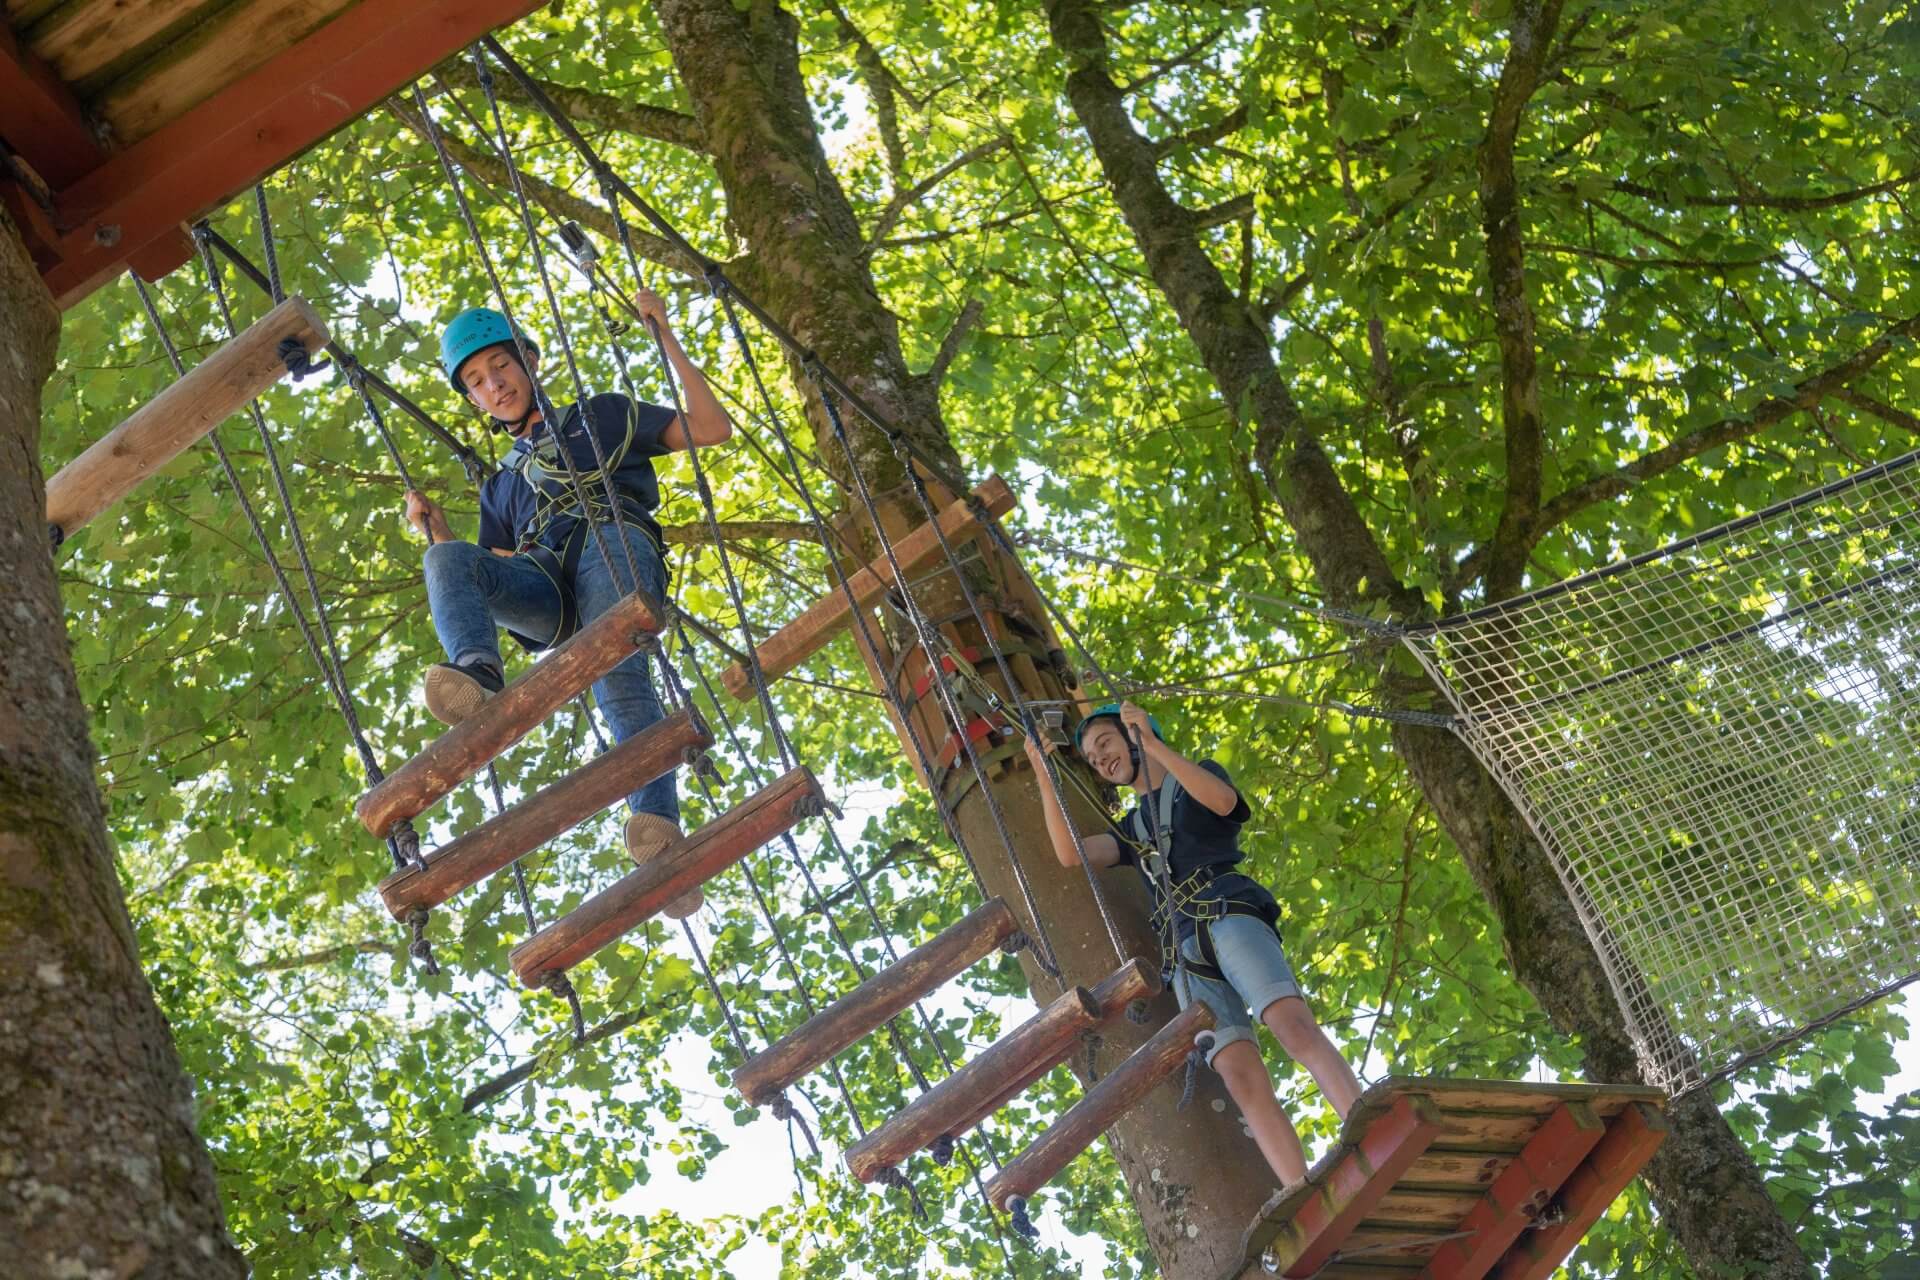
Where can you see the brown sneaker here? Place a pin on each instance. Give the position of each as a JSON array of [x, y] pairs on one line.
[[648, 836], [454, 693]]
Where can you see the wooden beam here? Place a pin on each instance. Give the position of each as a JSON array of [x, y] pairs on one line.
[[40, 118], [609, 914], [195, 404], [472, 857], [807, 634], [1100, 1106], [869, 1005], [509, 715], [1632, 1138], [1135, 980], [253, 126], [1517, 1197], [1048, 1035], [78, 39], [1357, 1182]]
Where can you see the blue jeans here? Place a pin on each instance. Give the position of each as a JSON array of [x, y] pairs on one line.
[[472, 591], [1249, 953]]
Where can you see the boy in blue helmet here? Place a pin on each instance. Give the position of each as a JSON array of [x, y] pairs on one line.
[[538, 567], [1227, 947]]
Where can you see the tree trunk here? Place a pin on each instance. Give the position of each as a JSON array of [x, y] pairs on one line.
[[1705, 1184], [1196, 1178], [101, 1170]]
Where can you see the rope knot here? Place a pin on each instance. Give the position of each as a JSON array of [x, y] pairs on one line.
[[942, 1150], [420, 948], [782, 1107], [1017, 1209], [404, 842], [1015, 942], [299, 361], [1138, 1012], [55, 535]]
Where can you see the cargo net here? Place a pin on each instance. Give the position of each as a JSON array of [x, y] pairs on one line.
[[1717, 743]]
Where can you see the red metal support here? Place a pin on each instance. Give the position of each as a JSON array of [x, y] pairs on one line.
[[113, 214], [1517, 1197], [1358, 1182], [1632, 1138]]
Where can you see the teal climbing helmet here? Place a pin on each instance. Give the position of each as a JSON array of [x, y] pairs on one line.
[[1111, 711], [471, 332]]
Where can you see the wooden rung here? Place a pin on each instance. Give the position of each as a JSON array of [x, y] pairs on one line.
[[1135, 980], [508, 716], [163, 428], [472, 857], [1632, 1138], [870, 1004], [609, 914], [1515, 1198], [1109, 1099], [1049, 1034], [807, 634]]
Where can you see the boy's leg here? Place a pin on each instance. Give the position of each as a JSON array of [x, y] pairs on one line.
[[1250, 953], [626, 695], [1292, 1024], [469, 592], [1235, 1056]]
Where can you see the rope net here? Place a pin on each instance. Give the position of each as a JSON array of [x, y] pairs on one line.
[[1716, 742]]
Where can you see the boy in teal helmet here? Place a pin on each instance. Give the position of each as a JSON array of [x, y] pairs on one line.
[[538, 566], [1183, 836]]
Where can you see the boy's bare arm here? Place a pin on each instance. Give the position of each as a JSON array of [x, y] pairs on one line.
[[1102, 849], [1210, 790]]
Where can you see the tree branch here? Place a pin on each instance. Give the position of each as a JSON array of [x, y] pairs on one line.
[[1808, 392], [902, 200], [1885, 412], [587, 107], [1203, 135], [1764, 199], [326, 955], [482, 1094], [882, 85], [1528, 46], [950, 345]]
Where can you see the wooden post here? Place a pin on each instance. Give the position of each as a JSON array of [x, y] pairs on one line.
[[1632, 1138], [807, 634], [1046, 1035], [1134, 980], [869, 1005], [496, 842], [609, 914], [160, 430], [1515, 1198], [508, 716], [1100, 1106]]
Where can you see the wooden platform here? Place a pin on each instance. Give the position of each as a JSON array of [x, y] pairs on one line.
[[1458, 1179], [137, 117]]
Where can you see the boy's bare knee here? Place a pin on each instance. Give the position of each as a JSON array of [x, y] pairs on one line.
[[1292, 1024], [1239, 1064]]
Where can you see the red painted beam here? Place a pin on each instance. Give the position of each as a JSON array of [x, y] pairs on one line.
[[1519, 1194], [40, 118], [255, 125], [1632, 1138], [1358, 1182]]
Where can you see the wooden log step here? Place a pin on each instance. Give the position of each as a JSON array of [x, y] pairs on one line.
[[1122, 1090], [159, 431], [1045, 1036], [609, 914], [869, 1005], [1134, 980], [807, 634], [609, 776], [508, 716]]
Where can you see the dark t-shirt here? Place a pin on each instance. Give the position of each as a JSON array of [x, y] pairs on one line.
[[1201, 838], [508, 503]]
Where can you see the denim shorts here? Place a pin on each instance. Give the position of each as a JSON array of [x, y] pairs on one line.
[[1248, 951]]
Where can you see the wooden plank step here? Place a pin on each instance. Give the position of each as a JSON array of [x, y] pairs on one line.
[[509, 715], [160, 430], [609, 776], [1134, 980], [1631, 1139], [869, 1005], [807, 634], [611, 913], [1047, 1035], [1495, 1155], [1519, 1194], [1097, 1110]]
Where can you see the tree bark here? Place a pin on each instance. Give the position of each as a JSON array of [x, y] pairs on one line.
[[101, 1170], [1705, 1184], [1196, 1178]]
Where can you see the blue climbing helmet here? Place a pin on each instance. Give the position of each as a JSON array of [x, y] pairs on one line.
[[1110, 711], [472, 332]]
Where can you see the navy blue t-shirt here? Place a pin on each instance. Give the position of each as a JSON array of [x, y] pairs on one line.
[[508, 503], [1201, 838]]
